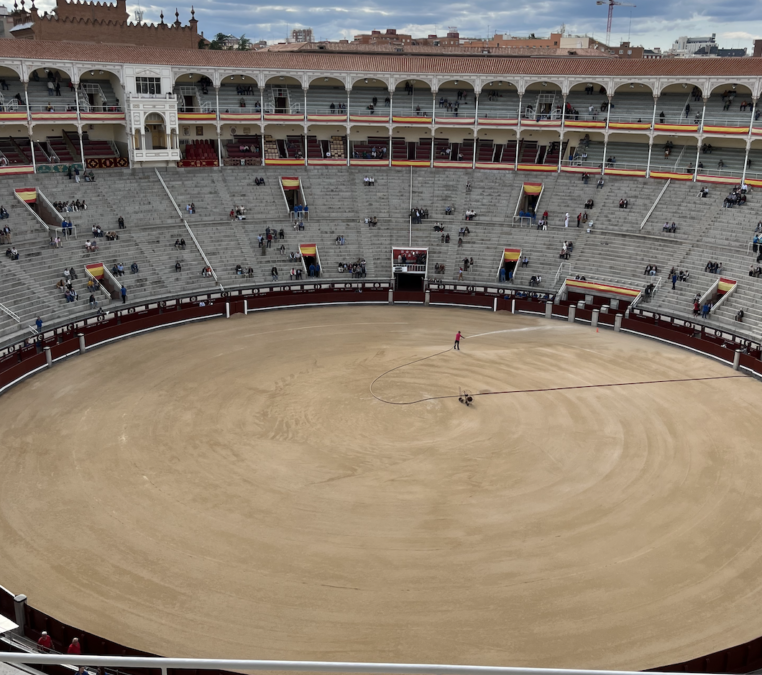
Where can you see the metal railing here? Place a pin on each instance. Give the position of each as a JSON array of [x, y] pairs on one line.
[[10, 313]]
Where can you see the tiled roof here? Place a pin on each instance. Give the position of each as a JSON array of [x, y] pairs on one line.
[[56, 52]]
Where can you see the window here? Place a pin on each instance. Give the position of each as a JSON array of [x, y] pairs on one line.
[[621, 52], [629, 51], [148, 85]]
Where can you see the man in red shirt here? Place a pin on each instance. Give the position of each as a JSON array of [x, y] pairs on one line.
[[74, 648], [45, 641], [458, 336]]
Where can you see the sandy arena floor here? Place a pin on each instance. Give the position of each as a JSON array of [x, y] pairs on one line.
[[232, 489]]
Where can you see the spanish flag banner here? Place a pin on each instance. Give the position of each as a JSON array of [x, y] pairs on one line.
[[687, 128], [308, 249], [602, 288], [712, 129], [290, 182], [630, 125], [95, 270], [725, 285], [511, 254], [532, 188], [28, 195]]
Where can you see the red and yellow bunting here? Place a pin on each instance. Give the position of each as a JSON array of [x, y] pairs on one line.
[[308, 249], [452, 165], [712, 129], [290, 182], [367, 162], [638, 126], [240, 117], [532, 188], [197, 117], [378, 119], [666, 175], [15, 169], [725, 285], [603, 288], [685, 128], [494, 166], [284, 161], [625, 172], [28, 195], [12, 116], [331, 161], [454, 121], [340, 117], [284, 117], [496, 122], [511, 254], [95, 270], [414, 119], [102, 116], [421, 163], [540, 123], [722, 180], [544, 168], [585, 124]]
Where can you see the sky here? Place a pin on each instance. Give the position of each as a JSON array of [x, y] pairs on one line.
[[652, 23]]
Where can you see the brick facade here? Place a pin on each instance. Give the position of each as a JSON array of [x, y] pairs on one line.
[[104, 23]]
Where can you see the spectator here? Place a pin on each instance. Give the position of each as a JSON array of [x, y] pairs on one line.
[[120, 221], [274, 273], [45, 641], [38, 323], [123, 292], [178, 267]]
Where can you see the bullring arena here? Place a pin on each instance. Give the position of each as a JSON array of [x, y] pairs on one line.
[[233, 421], [241, 474]]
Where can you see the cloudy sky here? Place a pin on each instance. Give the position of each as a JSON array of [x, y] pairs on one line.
[[653, 23]]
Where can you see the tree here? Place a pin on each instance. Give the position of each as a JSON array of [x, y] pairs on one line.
[[243, 43], [218, 42]]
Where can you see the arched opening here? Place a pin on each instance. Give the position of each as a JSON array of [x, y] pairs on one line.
[[155, 132], [626, 151], [729, 105], [195, 93], [239, 94], [723, 157], [283, 95], [542, 102], [51, 90], [583, 151], [100, 91], [496, 146], [680, 104], [369, 98], [413, 98], [499, 100], [673, 153], [632, 103], [369, 144], [754, 168], [587, 101], [327, 96], [454, 145], [325, 141], [11, 90], [456, 102]]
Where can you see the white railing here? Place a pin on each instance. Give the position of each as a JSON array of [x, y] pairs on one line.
[[52, 208], [561, 271], [187, 227], [653, 206], [291, 666], [10, 313]]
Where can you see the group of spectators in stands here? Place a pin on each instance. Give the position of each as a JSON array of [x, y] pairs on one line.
[[259, 181], [238, 213], [5, 235], [249, 272], [357, 268], [623, 203], [470, 214], [11, 253], [55, 242], [373, 153], [737, 197], [713, 267], [417, 214], [66, 286], [180, 244], [669, 227], [73, 205], [369, 181], [190, 208], [371, 221], [567, 247]]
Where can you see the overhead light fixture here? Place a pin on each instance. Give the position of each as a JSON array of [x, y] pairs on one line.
[[632, 86], [366, 82], [190, 77], [326, 80], [734, 86], [232, 77], [456, 82], [685, 86], [101, 72], [282, 78], [544, 84]]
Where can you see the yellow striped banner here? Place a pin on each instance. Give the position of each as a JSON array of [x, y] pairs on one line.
[[686, 128], [490, 122], [589, 124], [368, 162], [711, 129], [725, 285], [670, 174], [240, 117], [532, 188], [722, 180], [95, 270], [641, 126], [330, 161], [339, 117], [289, 182], [378, 119], [540, 123], [12, 116], [28, 195], [494, 166], [411, 162], [418, 119], [626, 172], [53, 116], [197, 117], [284, 162], [452, 165], [284, 117], [603, 288], [15, 169], [102, 116], [511, 254], [547, 168], [454, 121], [308, 249]]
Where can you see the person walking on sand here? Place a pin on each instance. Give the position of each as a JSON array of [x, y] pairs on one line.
[[458, 337]]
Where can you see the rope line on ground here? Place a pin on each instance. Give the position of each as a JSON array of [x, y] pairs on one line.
[[530, 391]]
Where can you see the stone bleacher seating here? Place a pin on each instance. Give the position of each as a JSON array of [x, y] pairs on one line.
[[617, 247], [12, 152]]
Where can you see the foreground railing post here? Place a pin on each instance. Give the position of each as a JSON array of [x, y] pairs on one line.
[[48, 356], [227, 310], [618, 323], [737, 359], [427, 298], [548, 310], [572, 313], [19, 606], [594, 320], [81, 343], [391, 296]]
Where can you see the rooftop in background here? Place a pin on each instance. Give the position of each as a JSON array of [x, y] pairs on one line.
[[405, 64]]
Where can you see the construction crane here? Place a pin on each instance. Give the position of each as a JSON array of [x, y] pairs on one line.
[[611, 4]]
